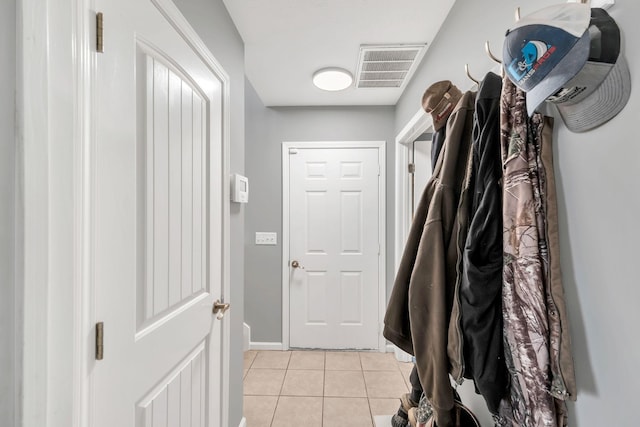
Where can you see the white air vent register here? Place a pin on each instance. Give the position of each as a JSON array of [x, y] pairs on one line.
[[391, 66]]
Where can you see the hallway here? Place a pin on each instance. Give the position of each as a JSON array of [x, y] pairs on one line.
[[321, 388]]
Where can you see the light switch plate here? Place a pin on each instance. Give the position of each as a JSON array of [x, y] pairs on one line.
[[266, 238]]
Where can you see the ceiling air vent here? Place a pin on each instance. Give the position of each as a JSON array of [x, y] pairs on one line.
[[387, 66]]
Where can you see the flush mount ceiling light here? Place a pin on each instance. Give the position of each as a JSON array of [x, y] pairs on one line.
[[332, 79]]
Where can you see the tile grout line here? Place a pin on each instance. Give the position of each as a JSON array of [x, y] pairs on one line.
[[286, 369], [366, 389], [273, 416], [324, 382]]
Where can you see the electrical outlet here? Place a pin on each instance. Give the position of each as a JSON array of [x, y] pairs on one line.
[[264, 238]]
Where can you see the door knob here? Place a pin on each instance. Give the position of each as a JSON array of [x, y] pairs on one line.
[[296, 264], [220, 308]]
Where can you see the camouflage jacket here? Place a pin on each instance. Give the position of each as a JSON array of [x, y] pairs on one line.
[[536, 330]]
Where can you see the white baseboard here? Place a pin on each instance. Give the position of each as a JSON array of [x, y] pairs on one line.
[[390, 348], [246, 335], [265, 346], [243, 422]]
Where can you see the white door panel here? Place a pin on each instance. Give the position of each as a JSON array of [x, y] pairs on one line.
[[178, 400], [334, 223], [157, 224]]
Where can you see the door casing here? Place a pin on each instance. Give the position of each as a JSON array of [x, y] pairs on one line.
[[382, 292], [417, 125], [56, 125]]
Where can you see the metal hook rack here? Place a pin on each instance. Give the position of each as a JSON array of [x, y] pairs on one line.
[[491, 55], [466, 70]]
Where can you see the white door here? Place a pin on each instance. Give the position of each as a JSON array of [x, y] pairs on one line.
[[157, 223], [334, 241]]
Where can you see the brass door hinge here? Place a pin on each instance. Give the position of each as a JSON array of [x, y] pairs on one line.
[[99, 33], [99, 340]]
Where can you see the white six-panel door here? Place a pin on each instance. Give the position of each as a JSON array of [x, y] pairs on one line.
[[334, 241], [157, 224]]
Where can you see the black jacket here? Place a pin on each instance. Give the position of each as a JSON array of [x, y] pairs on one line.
[[436, 145], [481, 284]]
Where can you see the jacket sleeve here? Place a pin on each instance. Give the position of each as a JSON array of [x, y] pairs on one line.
[[397, 326], [429, 316]]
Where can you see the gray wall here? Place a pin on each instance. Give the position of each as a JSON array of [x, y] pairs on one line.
[[266, 129], [599, 205], [211, 21], [7, 209]]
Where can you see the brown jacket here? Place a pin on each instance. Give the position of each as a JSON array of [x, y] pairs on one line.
[[419, 309]]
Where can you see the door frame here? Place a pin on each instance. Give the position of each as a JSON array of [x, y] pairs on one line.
[[382, 292], [416, 126], [55, 104]]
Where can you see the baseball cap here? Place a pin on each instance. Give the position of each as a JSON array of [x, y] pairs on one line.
[[546, 49], [439, 100], [603, 86]]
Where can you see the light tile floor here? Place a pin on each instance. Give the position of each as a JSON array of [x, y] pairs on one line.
[[321, 388]]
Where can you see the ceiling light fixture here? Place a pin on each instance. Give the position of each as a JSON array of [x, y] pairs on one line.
[[332, 79]]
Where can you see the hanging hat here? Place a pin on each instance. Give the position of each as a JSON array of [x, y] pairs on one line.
[[546, 49], [439, 100], [603, 86]]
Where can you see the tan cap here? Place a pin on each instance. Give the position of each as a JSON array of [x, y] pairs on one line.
[[439, 100]]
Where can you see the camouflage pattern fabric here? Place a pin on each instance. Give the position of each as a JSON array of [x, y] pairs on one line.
[[531, 328]]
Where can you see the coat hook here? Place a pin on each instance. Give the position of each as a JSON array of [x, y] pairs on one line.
[[517, 13], [466, 70], [491, 55]]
